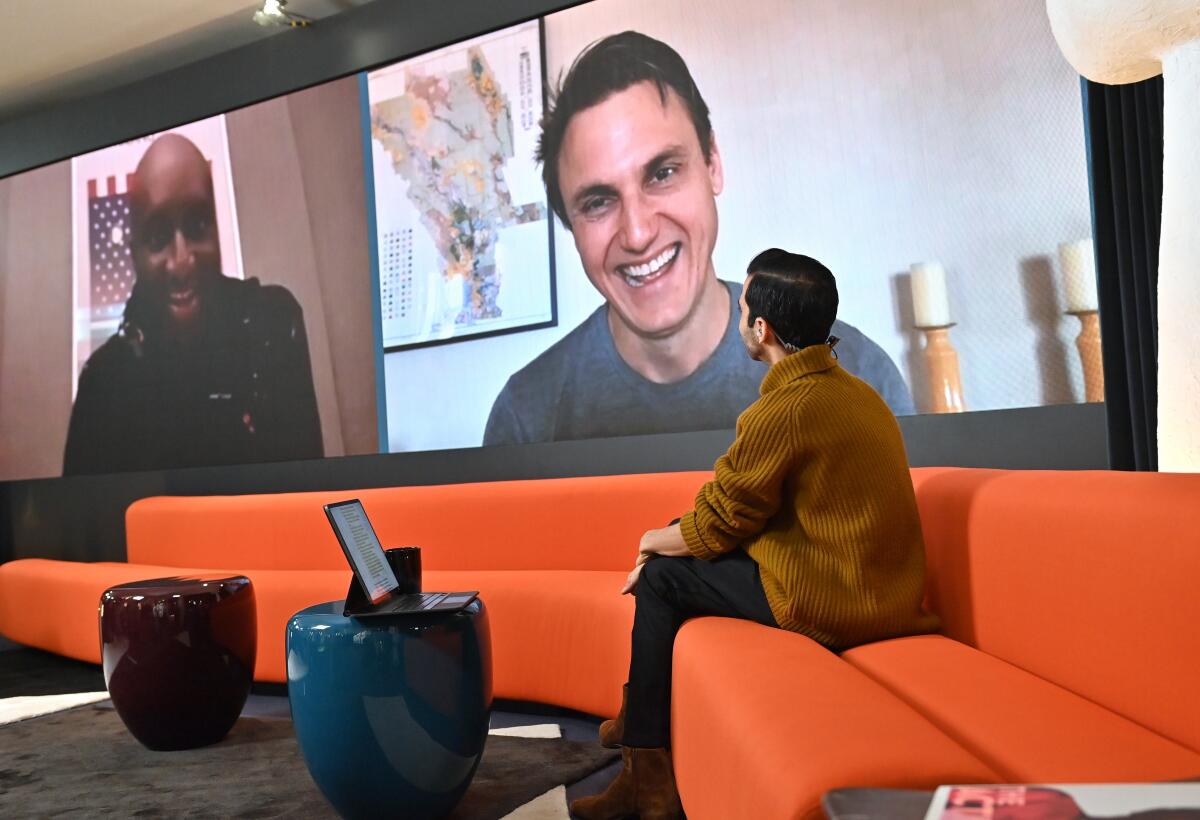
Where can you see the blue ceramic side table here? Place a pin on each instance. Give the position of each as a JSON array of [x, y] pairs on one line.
[[391, 712]]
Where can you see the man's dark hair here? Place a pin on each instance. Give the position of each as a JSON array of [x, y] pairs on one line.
[[602, 69], [796, 294]]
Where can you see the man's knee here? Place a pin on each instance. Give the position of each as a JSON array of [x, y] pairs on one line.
[[659, 574]]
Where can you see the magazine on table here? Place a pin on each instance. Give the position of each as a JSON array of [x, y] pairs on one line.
[[1144, 801]]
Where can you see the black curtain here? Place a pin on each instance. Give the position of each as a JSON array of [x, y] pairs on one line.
[[1125, 158]]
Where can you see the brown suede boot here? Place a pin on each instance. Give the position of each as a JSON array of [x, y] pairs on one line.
[[611, 731], [645, 787]]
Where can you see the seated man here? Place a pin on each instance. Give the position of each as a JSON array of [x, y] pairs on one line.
[[814, 490]]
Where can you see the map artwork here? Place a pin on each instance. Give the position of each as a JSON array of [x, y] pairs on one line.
[[461, 216]]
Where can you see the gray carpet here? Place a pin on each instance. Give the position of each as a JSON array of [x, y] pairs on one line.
[[84, 763]]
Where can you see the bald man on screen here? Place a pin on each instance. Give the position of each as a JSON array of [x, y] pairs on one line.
[[205, 369]]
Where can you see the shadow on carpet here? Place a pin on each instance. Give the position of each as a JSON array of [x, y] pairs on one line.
[[84, 763], [33, 672]]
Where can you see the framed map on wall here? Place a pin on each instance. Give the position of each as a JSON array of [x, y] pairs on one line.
[[462, 230]]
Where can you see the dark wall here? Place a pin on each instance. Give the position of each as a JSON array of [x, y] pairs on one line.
[[82, 517]]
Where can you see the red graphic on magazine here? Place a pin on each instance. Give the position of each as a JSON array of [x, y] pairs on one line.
[[1036, 803]]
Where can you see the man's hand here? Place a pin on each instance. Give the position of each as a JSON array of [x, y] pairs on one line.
[[666, 541], [635, 574]]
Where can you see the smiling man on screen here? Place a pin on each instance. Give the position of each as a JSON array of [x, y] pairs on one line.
[[632, 168], [205, 369]]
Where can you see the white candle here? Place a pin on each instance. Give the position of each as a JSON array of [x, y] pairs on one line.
[[1078, 263], [931, 306]]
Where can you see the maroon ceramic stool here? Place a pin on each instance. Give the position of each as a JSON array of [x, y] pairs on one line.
[[178, 657]]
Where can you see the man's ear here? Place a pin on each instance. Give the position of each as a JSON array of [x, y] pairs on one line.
[[716, 171]]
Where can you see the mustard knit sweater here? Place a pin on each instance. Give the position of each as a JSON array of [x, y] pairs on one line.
[[816, 488]]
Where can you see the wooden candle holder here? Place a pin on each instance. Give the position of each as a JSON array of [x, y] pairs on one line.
[[941, 359], [1088, 342]]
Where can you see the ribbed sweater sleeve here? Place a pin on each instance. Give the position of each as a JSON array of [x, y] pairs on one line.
[[746, 490]]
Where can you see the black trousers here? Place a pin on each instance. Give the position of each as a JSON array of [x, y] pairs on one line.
[[669, 591]]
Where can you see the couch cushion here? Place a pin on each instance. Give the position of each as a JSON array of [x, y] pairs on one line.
[[558, 637], [591, 523], [765, 721], [1085, 579], [54, 605], [1029, 730]]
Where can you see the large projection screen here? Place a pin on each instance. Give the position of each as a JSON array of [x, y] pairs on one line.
[[390, 276]]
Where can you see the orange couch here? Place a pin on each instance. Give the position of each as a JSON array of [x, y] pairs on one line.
[[1071, 647]]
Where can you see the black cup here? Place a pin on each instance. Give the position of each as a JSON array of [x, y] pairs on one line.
[[406, 564]]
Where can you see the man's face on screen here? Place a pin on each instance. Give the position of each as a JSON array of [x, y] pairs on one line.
[[174, 242], [642, 205]]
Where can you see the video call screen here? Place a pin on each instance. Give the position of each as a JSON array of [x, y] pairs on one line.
[[458, 250]]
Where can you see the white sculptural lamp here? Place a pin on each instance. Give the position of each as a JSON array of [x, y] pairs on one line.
[[1125, 41]]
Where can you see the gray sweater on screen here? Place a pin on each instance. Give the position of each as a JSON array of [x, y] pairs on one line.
[[581, 387]]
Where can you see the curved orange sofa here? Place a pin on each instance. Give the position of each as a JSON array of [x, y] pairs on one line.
[[1070, 650]]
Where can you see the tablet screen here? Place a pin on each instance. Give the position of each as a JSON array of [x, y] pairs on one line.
[[358, 538]]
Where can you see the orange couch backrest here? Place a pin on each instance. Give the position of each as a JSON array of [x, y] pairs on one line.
[[562, 523], [1090, 580]]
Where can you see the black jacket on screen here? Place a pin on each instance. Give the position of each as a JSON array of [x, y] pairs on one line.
[[243, 394]]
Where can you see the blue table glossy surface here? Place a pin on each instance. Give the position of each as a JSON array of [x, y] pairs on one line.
[[391, 713]]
